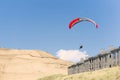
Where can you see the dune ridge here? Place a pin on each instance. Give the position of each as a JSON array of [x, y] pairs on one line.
[[29, 64]]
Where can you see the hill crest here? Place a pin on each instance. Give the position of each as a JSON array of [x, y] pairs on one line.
[[29, 64]]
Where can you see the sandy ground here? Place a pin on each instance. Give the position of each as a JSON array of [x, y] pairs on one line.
[[29, 64]]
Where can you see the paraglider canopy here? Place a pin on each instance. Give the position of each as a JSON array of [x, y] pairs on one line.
[[77, 20]]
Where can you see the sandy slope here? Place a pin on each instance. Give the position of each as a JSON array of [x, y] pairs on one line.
[[29, 64]]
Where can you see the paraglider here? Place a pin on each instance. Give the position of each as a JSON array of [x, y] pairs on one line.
[[81, 46], [77, 20]]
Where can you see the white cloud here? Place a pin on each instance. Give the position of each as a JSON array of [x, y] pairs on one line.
[[72, 55]]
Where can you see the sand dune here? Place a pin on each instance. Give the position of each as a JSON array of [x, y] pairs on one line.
[[29, 64]]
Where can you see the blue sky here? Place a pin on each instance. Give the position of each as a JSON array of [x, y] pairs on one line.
[[43, 25]]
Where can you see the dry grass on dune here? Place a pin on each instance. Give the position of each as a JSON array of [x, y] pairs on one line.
[[104, 74], [53, 77]]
